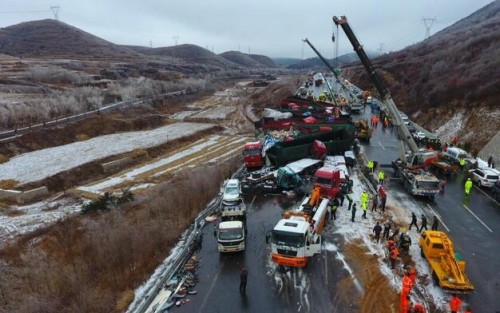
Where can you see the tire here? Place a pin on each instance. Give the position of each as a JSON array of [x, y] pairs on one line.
[[435, 278], [422, 252]]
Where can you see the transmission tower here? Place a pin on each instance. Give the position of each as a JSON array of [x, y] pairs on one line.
[[176, 39], [428, 24], [381, 49], [55, 11]]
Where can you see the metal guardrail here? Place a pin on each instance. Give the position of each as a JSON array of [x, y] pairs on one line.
[[181, 258], [81, 116]]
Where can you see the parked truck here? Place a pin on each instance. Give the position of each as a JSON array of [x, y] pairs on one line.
[[447, 265], [252, 155], [297, 236]]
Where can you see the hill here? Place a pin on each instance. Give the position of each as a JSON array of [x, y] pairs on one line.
[[264, 60], [193, 54], [241, 59], [449, 82], [51, 38], [316, 63], [285, 62]]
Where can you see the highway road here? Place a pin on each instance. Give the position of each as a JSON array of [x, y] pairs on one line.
[[471, 223]]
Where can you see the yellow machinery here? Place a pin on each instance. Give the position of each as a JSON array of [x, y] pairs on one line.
[[447, 265]]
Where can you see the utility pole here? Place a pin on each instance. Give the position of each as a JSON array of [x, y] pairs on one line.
[[55, 11], [428, 24]]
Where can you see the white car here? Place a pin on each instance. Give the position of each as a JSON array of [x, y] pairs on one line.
[[419, 135], [231, 191], [485, 177]]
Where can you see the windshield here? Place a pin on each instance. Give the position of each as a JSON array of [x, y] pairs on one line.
[[428, 185], [231, 190], [323, 181], [230, 234], [251, 152], [289, 239]]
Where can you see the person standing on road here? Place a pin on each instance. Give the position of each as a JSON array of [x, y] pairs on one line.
[[413, 221], [243, 279], [364, 202], [375, 203], [394, 256], [377, 230], [341, 198], [387, 229], [333, 209], [381, 177], [490, 161], [461, 162], [424, 224], [349, 199], [435, 223], [468, 186], [353, 212], [455, 304]]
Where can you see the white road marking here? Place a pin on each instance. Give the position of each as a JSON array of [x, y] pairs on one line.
[[438, 217], [487, 195], [478, 218], [380, 144]]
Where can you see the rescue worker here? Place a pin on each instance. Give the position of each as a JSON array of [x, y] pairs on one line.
[[349, 199], [341, 198], [364, 202], [407, 285], [468, 186], [387, 229], [455, 304], [468, 310], [435, 223], [353, 212], [394, 256], [377, 230], [405, 242], [462, 163], [405, 306], [413, 221], [424, 223], [370, 166], [381, 177], [243, 279], [333, 209], [383, 197], [491, 162], [391, 244]]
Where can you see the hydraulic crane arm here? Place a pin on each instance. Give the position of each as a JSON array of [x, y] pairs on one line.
[[403, 132], [329, 67]]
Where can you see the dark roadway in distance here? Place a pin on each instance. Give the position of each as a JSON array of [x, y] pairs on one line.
[[218, 274]]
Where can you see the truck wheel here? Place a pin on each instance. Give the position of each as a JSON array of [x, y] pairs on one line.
[[435, 278], [422, 252]]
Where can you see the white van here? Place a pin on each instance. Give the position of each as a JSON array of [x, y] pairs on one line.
[[454, 154]]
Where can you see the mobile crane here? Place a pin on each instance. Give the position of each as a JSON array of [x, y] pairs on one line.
[[410, 166]]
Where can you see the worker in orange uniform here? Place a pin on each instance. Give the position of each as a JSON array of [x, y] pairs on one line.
[[455, 304], [407, 285], [405, 306], [468, 310], [394, 256], [412, 273]]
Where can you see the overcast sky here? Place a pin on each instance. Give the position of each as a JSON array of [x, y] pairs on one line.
[[269, 27]]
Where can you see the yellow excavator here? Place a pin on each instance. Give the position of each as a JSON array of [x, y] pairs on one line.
[[448, 266]]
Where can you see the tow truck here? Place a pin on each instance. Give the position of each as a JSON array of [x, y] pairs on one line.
[[447, 265], [410, 166], [297, 236]]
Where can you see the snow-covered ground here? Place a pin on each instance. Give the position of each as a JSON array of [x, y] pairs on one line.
[[37, 165], [362, 229], [194, 153], [18, 220], [452, 127]]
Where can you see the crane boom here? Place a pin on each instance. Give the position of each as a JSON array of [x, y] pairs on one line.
[[329, 67], [402, 131]]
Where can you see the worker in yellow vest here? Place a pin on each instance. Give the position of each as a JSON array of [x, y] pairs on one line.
[[381, 177], [370, 166]]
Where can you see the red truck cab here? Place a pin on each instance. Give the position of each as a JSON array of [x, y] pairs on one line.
[[252, 154], [328, 179]]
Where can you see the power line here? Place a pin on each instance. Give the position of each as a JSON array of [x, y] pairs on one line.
[[17, 12]]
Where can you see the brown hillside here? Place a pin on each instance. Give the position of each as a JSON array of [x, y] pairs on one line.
[[454, 73], [51, 38], [264, 60], [192, 54], [241, 59]]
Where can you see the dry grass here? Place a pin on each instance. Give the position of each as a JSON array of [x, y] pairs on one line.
[[82, 137], [91, 263], [8, 184], [4, 158]]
